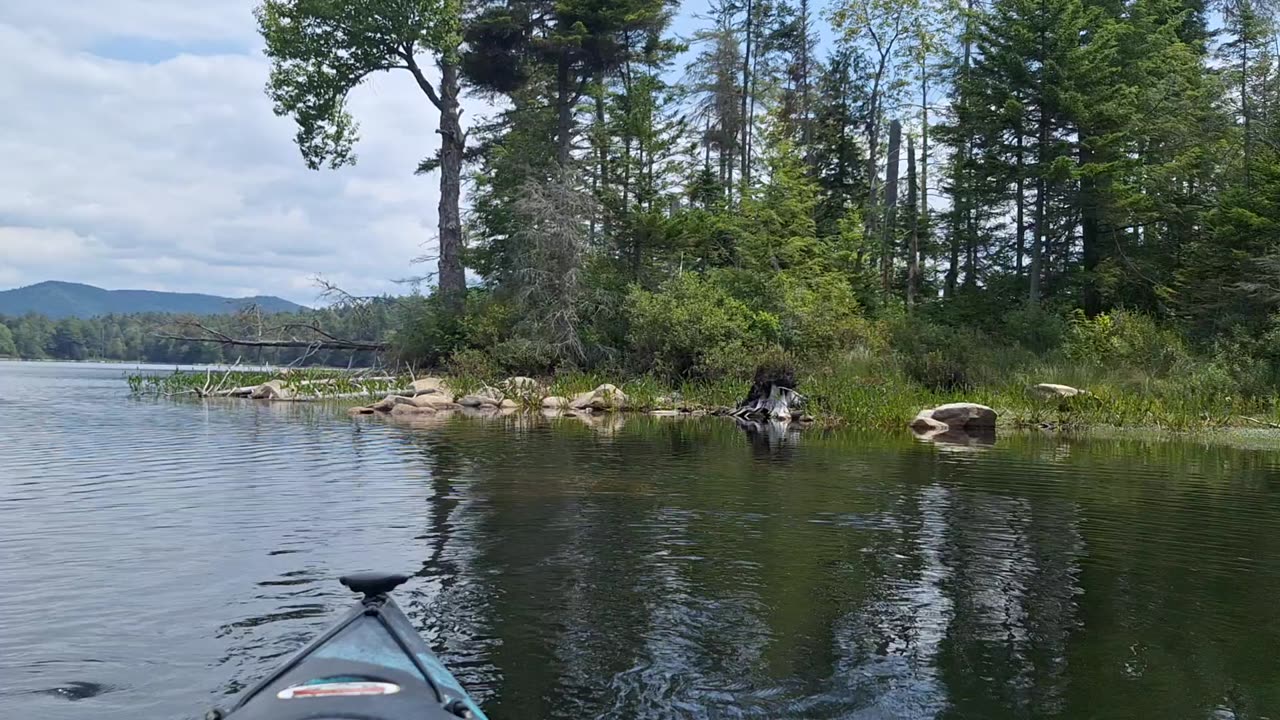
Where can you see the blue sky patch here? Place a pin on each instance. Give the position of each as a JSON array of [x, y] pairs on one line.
[[153, 50]]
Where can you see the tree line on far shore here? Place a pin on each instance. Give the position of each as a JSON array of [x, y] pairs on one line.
[[142, 337]]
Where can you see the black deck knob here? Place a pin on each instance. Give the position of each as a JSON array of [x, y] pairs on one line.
[[373, 584]]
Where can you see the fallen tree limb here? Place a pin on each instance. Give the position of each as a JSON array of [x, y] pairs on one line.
[[303, 344], [205, 334]]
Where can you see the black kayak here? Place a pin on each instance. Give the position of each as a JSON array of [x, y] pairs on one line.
[[371, 665]]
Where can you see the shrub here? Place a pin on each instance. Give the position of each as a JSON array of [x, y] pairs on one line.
[[693, 328], [820, 315], [520, 356], [1034, 327], [1125, 338], [473, 363]]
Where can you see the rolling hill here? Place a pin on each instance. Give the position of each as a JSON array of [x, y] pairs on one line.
[[63, 299]]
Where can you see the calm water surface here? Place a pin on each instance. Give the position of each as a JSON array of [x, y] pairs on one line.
[[155, 557]]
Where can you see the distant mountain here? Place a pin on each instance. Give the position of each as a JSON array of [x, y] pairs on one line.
[[64, 299]]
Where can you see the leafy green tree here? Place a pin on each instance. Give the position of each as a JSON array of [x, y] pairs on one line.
[[321, 50]]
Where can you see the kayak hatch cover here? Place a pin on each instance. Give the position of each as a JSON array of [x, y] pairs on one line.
[[372, 665]]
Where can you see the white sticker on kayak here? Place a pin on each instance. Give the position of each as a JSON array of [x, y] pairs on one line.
[[338, 689]]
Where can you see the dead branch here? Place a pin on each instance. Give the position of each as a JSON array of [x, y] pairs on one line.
[[204, 334]]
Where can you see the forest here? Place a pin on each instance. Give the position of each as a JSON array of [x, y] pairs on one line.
[[955, 189], [952, 194]]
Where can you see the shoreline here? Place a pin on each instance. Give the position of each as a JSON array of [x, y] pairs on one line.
[[871, 403]]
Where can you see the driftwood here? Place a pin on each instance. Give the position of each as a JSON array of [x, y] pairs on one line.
[[325, 341]]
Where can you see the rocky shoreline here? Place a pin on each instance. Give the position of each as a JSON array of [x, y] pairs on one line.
[[432, 395]]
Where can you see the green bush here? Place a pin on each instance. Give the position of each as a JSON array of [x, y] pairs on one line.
[[1034, 327], [520, 356], [693, 328], [1126, 338], [818, 316], [473, 363]]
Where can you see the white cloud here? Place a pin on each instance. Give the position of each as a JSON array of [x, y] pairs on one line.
[[152, 167]]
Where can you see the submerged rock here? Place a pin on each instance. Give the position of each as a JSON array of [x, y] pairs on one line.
[[411, 410], [361, 411]]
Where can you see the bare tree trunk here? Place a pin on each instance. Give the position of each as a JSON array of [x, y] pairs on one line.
[[1090, 232], [564, 112], [600, 184], [962, 216], [890, 207], [1244, 95], [923, 210], [806, 136], [913, 250], [1020, 202], [1037, 247], [746, 91], [452, 277]]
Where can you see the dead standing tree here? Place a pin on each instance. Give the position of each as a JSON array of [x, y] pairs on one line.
[[554, 217]]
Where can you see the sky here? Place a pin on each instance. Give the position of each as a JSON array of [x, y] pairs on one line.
[[139, 150]]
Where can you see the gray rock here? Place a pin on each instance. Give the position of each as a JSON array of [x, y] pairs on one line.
[[604, 397], [424, 386], [1052, 391], [555, 402], [411, 410], [435, 401], [271, 390], [388, 403], [954, 416], [924, 422], [965, 415]]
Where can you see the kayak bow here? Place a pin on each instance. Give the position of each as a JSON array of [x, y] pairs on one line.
[[372, 665]]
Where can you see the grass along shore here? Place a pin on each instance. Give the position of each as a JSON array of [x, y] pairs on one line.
[[855, 391]]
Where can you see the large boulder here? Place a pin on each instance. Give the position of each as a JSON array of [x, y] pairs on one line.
[[400, 410], [1052, 391], [555, 402], [925, 423], [954, 416], [435, 401], [965, 415], [388, 403], [521, 386], [429, 385], [271, 390], [484, 397], [604, 397]]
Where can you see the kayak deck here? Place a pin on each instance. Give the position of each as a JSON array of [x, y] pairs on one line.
[[371, 664]]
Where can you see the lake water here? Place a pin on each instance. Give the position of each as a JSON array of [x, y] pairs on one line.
[[157, 556]]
